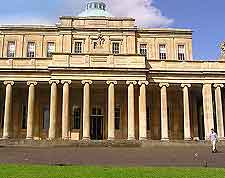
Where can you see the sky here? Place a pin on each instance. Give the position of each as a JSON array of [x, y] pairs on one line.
[[205, 17]]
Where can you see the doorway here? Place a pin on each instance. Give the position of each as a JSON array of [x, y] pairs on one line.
[[97, 123]]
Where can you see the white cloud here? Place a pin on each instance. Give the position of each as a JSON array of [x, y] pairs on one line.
[[143, 11]]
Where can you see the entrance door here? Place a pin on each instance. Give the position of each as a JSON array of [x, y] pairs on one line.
[[97, 124]]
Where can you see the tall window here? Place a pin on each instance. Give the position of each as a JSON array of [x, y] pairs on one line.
[[78, 47], [76, 117], [143, 49], [24, 116], [117, 118], [181, 52], [2, 114], [11, 49], [31, 49], [148, 119], [94, 44], [162, 52], [46, 118], [115, 47], [50, 49]]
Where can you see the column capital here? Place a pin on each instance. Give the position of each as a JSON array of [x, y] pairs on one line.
[[131, 82], [164, 85], [66, 81], [53, 81], [185, 85], [143, 82], [8, 82], [109, 82], [216, 85], [31, 83], [86, 81]]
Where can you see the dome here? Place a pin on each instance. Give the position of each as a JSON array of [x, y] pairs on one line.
[[95, 9]]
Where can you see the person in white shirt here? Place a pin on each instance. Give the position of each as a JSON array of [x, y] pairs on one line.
[[214, 139]]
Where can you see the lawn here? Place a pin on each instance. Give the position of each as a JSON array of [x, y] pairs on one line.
[[28, 171]]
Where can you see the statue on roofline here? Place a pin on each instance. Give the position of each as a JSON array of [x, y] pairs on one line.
[[100, 41], [222, 48]]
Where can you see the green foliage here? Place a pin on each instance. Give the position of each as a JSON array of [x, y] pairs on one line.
[[28, 171]]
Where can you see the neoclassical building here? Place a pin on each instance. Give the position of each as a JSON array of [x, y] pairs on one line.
[[95, 76]]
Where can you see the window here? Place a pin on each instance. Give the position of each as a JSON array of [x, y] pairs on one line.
[[117, 118], [143, 49], [78, 47], [181, 52], [2, 114], [162, 52], [115, 47], [11, 49], [148, 119], [76, 117], [24, 116], [96, 111], [95, 45], [46, 118], [50, 49], [31, 49]]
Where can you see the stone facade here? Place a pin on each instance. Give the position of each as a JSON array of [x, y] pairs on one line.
[[104, 78]]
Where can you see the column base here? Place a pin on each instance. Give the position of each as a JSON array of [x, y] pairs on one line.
[[221, 138], [165, 139], [66, 138], [131, 138], [111, 138], [196, 139], [29, 138], [187, 139], [143, 138], [5, 137], [86, 138]]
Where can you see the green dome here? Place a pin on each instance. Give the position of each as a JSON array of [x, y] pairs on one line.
[[95, 9]]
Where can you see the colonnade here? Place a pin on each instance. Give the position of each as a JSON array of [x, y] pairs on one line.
[[207, 108]]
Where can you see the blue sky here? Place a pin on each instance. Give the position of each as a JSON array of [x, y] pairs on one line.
[[205, 17]]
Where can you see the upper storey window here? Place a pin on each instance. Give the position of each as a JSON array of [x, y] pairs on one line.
[[51, 49], [115, 47], [162, 52], [181, 52], [31, 49], [143, 49], [78, 47], [11, 49]]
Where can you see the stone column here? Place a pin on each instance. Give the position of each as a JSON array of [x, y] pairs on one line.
[[187, 124], [219, 111], [131, 121], [111, 109], [65, 109], [164, 112], [53, 109], [31, 106], [142, 111], [86, 109], [207, 108], [8, 109]]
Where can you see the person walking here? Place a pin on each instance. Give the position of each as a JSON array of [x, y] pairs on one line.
[[214, 139]]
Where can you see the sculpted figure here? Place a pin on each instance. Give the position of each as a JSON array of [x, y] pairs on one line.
[[222, 47]]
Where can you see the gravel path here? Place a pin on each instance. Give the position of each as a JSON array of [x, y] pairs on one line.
[[191, 156]]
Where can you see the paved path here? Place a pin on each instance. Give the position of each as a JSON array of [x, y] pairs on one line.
[[144, 156]]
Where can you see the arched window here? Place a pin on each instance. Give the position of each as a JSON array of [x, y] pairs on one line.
[[46, 118], [76, 117]]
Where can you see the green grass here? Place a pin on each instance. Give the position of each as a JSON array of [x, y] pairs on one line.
[[19, 171]]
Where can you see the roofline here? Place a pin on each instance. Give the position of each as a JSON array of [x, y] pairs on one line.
[[96, 18]]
